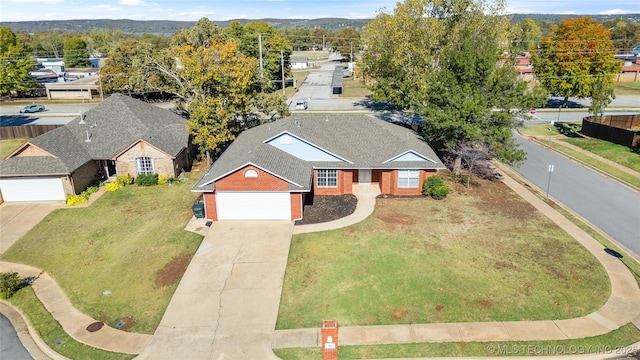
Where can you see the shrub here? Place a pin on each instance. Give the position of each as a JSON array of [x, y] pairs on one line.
[[147, 179], [440, 192], [114, 186], [91, 189], [124, 180], [435, 187], [163, 179], [77, 199], [10, 283]]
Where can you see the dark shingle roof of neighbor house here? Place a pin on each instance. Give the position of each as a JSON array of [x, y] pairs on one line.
[[121, 120], [111, 126], [365, 141]]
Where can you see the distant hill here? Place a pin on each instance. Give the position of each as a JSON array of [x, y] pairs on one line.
[[169, 27]]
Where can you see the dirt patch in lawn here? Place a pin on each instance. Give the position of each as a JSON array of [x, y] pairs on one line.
[[328, 208], [173, 271], [496, 197]]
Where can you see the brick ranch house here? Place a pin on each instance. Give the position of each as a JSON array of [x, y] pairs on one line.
[[121, 135], [269, 170]]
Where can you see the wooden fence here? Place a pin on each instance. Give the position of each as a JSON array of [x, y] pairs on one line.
[[608, 128], [24, 131]]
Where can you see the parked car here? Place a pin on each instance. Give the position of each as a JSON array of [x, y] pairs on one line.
[[32, 108], [302, 105], [636, 50]]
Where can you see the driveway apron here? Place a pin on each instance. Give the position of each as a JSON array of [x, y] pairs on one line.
[[17, 218], [226, 304]]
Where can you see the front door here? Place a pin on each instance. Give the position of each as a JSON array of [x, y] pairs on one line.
[[364, 176], [111, 168]]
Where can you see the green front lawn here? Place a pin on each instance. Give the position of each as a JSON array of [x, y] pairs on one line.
[[9, 146], [627, 88], [114, 258], [482, 255], [619, 153]]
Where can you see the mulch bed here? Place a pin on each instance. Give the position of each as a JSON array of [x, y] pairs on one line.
[[328, 208]]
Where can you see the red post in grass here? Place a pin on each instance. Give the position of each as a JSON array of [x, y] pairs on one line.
[[329, 339]]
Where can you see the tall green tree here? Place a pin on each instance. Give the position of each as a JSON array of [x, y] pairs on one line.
[[120, 71], [527, 36], [76, 53], [443, 60], [15, 64], [346, 41], [577, 59], [216, 85], [275, 48]]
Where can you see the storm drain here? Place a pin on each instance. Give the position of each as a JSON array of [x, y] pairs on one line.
[[95, 326]]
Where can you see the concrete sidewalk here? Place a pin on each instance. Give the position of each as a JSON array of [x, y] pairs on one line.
[[622, 307], [366, 195], [73, 321]]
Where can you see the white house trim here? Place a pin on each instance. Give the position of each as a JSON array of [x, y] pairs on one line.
[[308, 143], [397, 157]]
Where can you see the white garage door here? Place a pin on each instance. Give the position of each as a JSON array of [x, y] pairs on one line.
[[32, 189], [253, 206]]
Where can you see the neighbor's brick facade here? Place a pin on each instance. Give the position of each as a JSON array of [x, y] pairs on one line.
[[162, 163], [83, 177]]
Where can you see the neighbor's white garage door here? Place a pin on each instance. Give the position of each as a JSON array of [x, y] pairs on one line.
[[32, 189], [253, 206]]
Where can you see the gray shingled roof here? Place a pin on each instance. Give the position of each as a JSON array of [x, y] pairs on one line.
[[121, 120], [112, 126], [365, 141], [60, 143]]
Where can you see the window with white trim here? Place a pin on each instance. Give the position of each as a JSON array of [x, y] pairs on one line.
[[144, 165], [327, 178], [408, 178]]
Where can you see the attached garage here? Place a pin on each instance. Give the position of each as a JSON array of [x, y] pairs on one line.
[[32, 189], [253, 205]]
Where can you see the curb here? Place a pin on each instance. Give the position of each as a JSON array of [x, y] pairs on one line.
[[28, 336], [601, 172]]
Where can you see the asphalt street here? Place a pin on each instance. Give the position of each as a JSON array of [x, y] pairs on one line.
[[10, 346], [610, 206]]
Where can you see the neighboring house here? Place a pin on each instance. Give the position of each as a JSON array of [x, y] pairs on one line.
[[269, 170], [121, 135], [299, 62]]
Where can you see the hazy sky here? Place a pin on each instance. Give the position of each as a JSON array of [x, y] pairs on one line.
[[191, 10]]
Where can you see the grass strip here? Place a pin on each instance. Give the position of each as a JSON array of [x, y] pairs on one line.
[[52, 333]]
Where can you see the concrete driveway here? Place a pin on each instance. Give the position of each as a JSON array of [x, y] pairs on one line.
[[226, 304], [17, 218]]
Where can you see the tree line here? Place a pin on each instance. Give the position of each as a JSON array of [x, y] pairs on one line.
[[449, 62]]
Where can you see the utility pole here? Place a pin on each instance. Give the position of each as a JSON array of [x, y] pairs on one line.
[[260, 52], [351, 58], [282, 68]]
